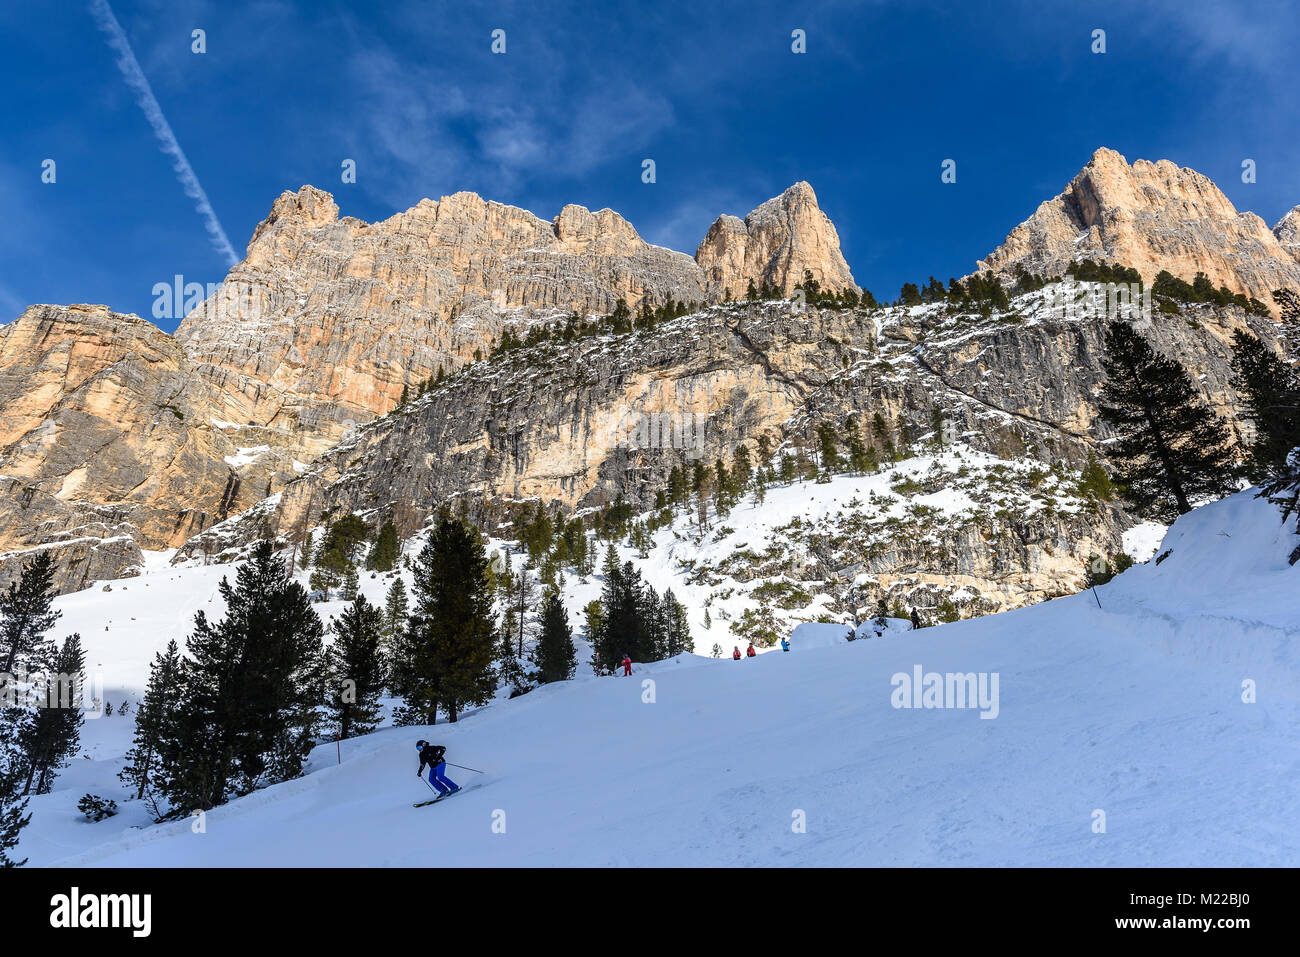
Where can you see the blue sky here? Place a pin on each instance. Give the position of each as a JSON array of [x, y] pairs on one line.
[[710, 90]]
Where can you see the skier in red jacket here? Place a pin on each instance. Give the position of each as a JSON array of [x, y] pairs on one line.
[[751, 652], [736, 653], [627, 665]]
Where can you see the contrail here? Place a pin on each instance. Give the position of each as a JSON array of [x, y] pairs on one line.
[[135, 79]]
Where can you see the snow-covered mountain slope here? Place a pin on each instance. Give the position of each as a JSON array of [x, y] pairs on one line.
[[1136, 710]]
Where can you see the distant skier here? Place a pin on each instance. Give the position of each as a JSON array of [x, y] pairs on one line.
[[627, 666], [785, 645], [431, 754], [751, 652], [735, 654], [916, 620]]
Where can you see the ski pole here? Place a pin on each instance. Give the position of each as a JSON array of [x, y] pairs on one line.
[[430, 786], [1088, 574], [463, 768]]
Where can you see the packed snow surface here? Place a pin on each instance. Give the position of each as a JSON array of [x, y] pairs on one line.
[[1169, 714]]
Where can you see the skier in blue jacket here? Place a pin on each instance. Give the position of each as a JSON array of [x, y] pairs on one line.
[[431, 754], [785, 645]]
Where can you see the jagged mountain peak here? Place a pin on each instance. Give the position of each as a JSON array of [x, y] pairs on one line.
[[1287, 231], [775, 243], [1152, 216]]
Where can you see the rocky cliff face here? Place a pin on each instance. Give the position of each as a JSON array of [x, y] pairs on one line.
[[109, 441], [112, 431], [1287, 231], [775, 243], [553, 423], [326, 320], [1150, 216]]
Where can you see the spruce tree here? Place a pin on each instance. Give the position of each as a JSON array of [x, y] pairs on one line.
[[386, 550], [828, 447], [1171, 448], [446, 653], [51, 733], [12, 804], [857, 452], [742, 472], [351, 583], [396, 607], [254, 683], [1270, 388], [554, 655], [356, 670], [163, 700], [26, 615], [677, 631]]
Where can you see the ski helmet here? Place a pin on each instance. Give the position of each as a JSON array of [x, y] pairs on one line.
[[421, 743]]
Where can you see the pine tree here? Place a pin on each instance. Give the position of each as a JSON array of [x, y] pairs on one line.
[[254, 683], [1270, 388], [446, 654], [881, 621], [677, 631], [163, 700], [350, 588], [331, 566], [356, 670], [306, 554], [593, 614], [859, 461], [1171, 447], [386, 550], [396, 607], [554, 655], [1094, 482], [12, 804], [26, 615], [742, 472], [523, 599], [828, 446], [880, 433], [622, 625], [722, 487], [52, 733]]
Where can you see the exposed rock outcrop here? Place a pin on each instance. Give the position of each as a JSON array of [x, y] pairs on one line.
[[106, 431], [551, 423], [322, 326], [1152, 217], [115, 436], [1287, 231], [775, 244]]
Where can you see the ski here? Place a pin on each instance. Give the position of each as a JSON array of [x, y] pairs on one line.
[[440, 797]]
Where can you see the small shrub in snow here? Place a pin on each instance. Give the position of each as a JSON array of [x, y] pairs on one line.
[[96, 808]]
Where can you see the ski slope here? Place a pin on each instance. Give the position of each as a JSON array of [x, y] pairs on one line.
[[1134, 709]]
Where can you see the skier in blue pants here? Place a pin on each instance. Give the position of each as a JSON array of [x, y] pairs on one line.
[[431, 755]]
